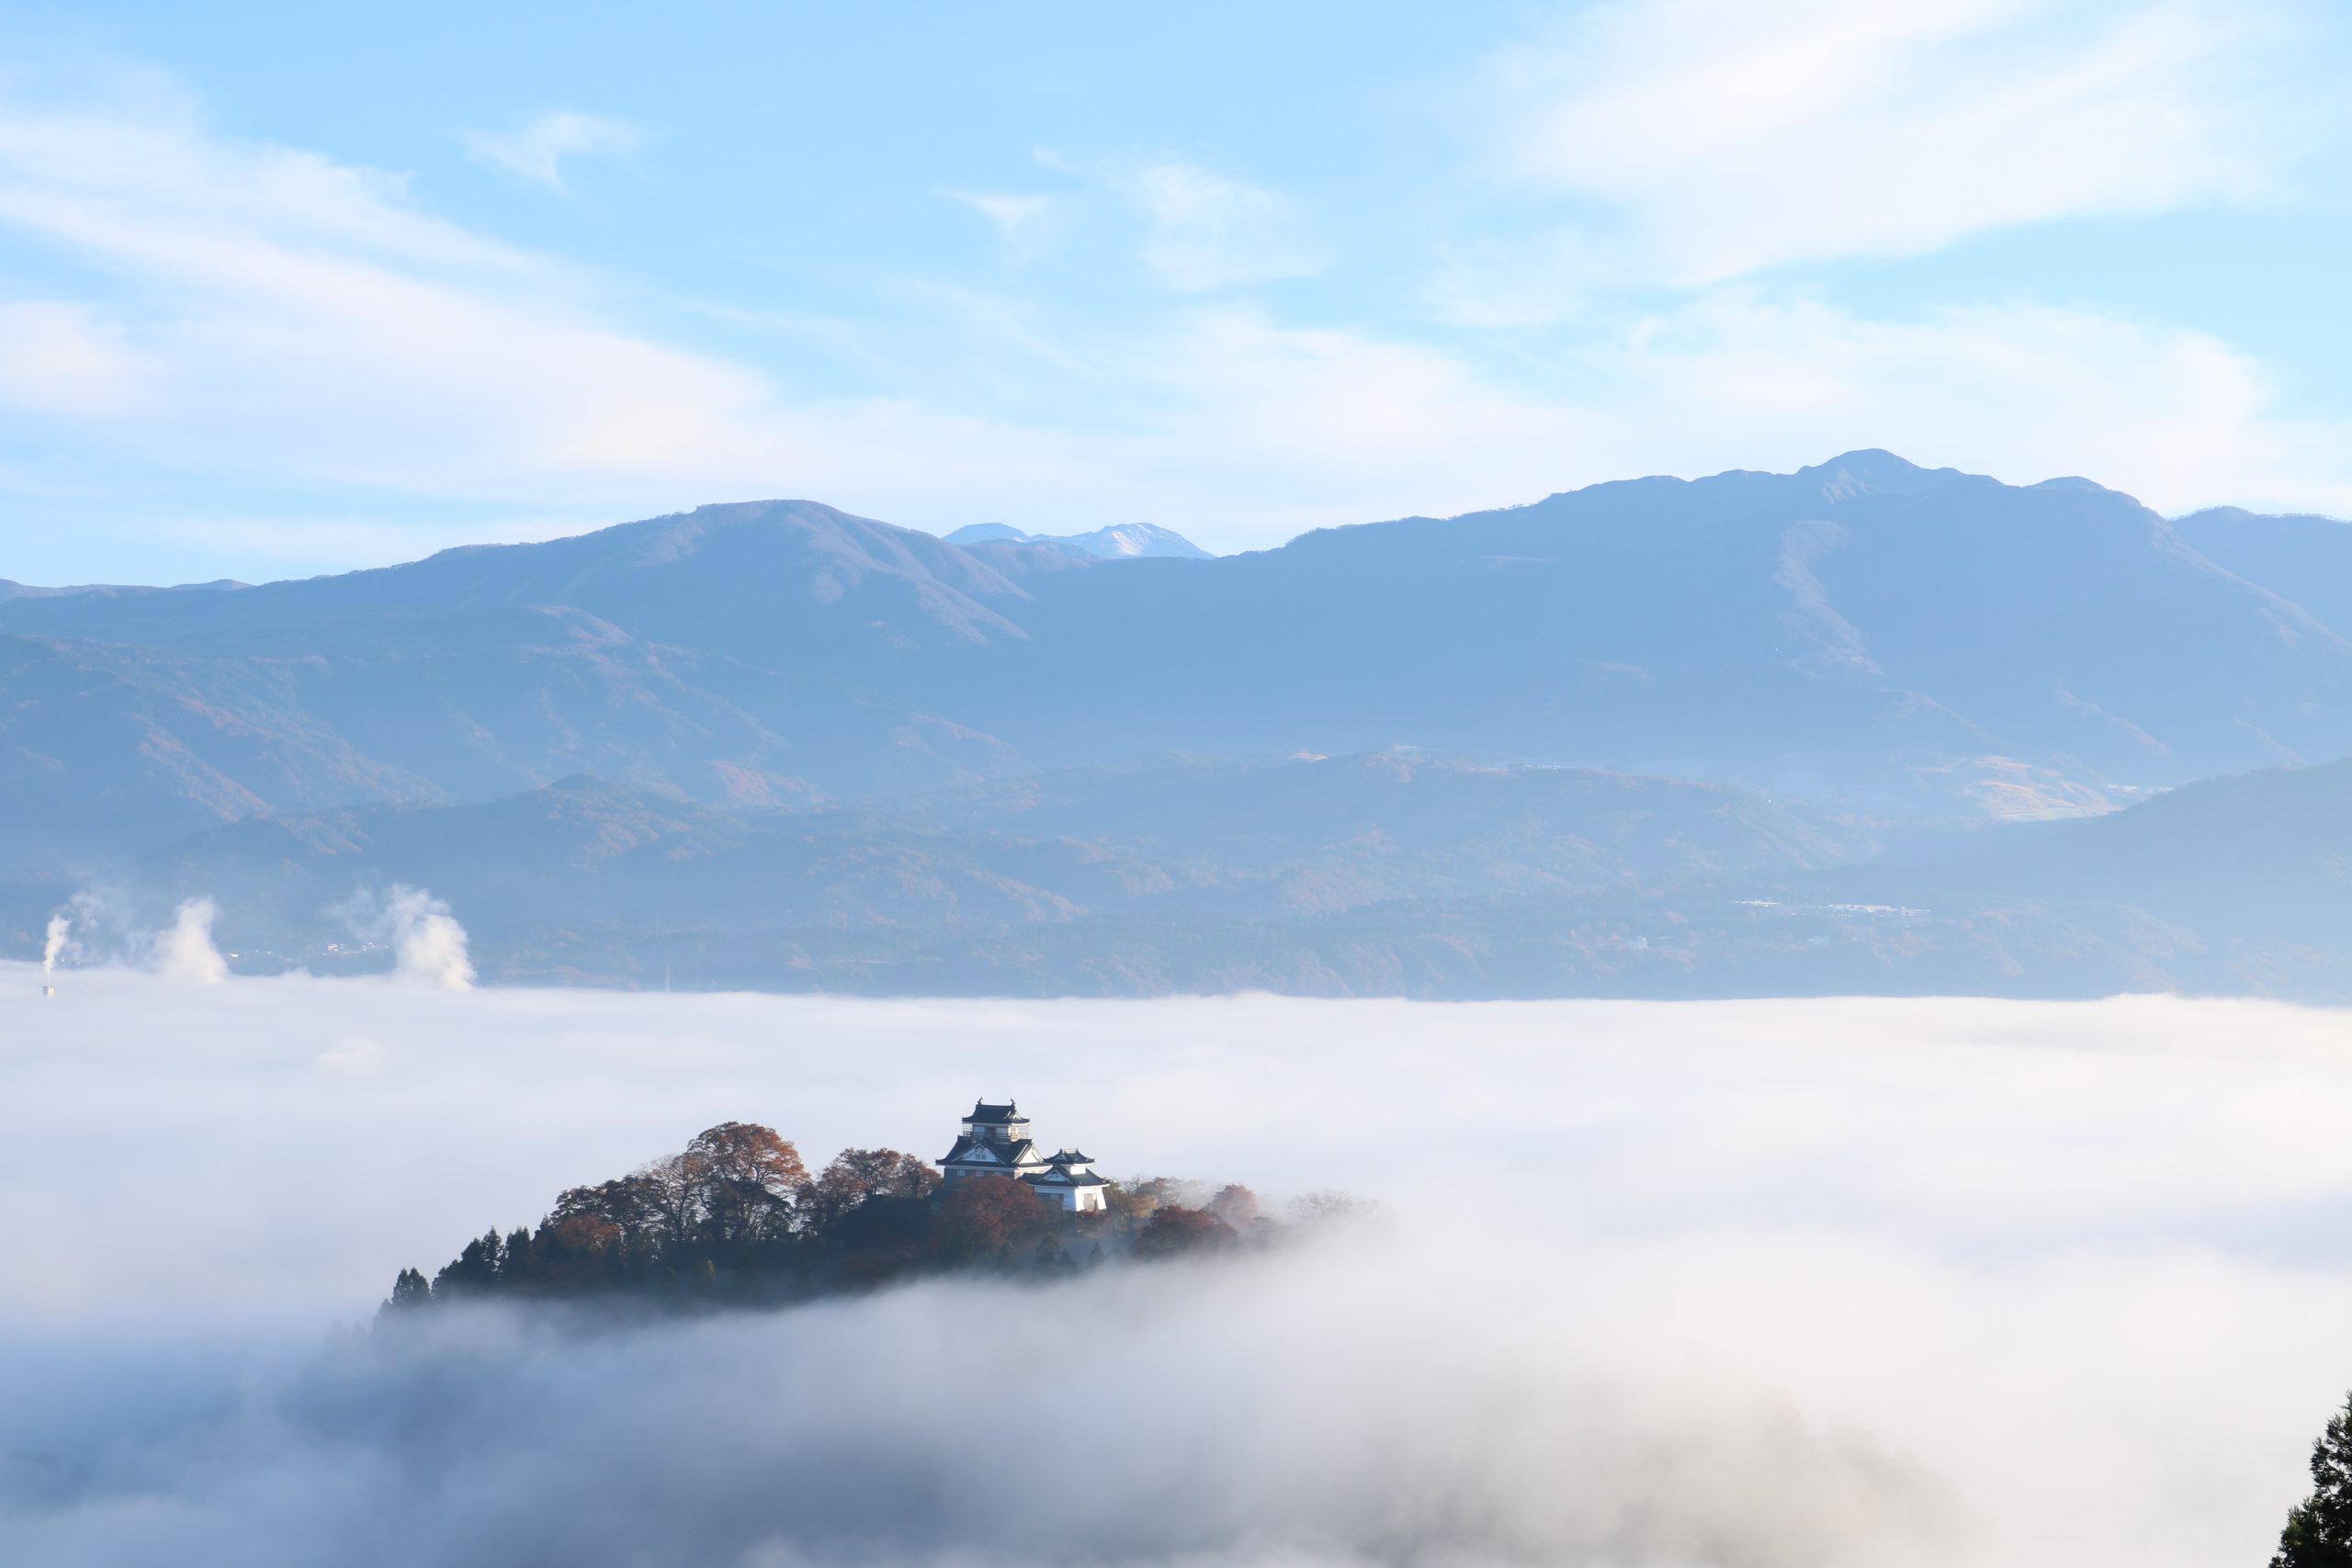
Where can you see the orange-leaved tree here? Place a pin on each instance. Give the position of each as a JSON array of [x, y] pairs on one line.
[[857, 1175], [1171, 1233], [985, 1216], [1236, 1205], [746, 1180]]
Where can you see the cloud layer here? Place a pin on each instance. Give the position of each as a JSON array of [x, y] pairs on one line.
[[1888, 1282], [1264, 1412]]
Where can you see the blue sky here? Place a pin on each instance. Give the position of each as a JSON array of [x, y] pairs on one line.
[[285, 290]]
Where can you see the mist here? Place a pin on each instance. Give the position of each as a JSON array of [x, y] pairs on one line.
[[1745, 1284]]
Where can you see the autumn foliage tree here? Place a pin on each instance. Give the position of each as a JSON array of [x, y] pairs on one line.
[[1236, 1205], [855, 1178], [1132, 1200], [2318, 1530], [1172, 1233], [734, 1183], [595, 1233], [987, 1217], [743, 1182]]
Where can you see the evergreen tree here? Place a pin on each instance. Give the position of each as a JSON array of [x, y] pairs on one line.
[[410, 1292], [475, 1270], [2318, 1530]]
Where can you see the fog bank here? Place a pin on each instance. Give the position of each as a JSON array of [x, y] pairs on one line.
[[1241, 1414], [1754, 1283]]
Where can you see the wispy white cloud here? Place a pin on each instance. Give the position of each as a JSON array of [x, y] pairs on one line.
[[1710, 139], [1208, 232], [94, 171], [259, 312], [61, 358], [2023, 392], [1321, 426], [539, 148], [288, 300], [1015, 216]]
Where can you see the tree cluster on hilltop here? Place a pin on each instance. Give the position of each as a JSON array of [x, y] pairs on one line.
[[737, 1217]]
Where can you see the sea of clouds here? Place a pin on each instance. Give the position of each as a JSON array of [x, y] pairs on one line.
[[1875, 1283]]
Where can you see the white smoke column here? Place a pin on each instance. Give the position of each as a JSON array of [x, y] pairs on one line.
[[55, 945], [186, 951], [428, 944]]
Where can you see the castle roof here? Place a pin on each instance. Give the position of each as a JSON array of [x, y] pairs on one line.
[[1069, 1156], [986, 1115], [1017, 1152], [1062, 1176]]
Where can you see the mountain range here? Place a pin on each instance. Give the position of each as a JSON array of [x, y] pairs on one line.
[[1656, 737]]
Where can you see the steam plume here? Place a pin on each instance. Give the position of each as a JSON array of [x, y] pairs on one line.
[[428, 944], [184, 951], [54, 944]]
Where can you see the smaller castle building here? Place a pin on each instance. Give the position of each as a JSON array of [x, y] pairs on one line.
[[994, 1141]]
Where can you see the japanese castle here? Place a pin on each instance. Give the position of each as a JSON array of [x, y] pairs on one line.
[[995, 1142]]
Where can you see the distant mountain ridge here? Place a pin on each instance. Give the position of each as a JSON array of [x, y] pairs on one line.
[[1865, 642], [110, 589], [2302, 557], [1896, 638], [1387, 874], [579, 875]]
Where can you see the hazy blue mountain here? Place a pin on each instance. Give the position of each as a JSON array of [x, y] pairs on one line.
[[1365, 875], [1119, 539], [2308, 559], [780, 578], [1324, 833], [483, 672], [1897, 640], [2264, 855], [583, 855], [106, 749], [110, 591], [122, 748], [591, 871], [1826, 660], [1866, 631]]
